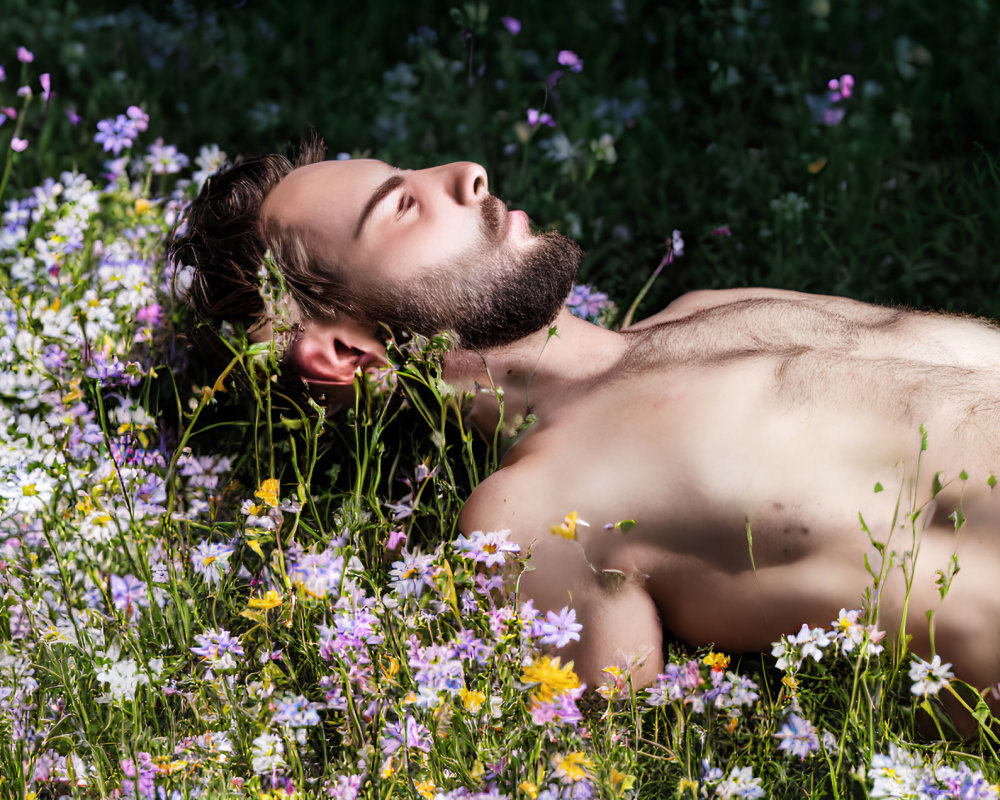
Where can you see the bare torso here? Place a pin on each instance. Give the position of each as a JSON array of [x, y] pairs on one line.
[[745, 434]]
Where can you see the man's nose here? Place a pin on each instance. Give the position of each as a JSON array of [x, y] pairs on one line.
[[469, 182]]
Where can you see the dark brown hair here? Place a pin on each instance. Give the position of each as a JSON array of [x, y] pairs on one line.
[[226, 239]]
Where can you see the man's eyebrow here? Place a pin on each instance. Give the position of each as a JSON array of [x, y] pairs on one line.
[[378, 195]]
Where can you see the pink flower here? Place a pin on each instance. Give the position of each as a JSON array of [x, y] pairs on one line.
[[18, 145], [45, 79], [24, 55], [149, 315], [570, 59], [512, 25], [722, 230], [536, 118], [72, 116], [396, 538]]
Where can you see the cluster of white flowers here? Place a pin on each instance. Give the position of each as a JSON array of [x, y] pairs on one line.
[[845, 634]]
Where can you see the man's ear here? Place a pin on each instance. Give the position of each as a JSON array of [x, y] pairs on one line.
[[329, 353]]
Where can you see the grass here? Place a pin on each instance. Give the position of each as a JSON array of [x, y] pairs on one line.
[[211, 589]]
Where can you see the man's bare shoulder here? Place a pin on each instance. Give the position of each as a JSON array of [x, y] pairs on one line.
[[508, 499], [690, 304]]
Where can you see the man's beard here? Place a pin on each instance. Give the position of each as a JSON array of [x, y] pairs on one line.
[[488, 298]]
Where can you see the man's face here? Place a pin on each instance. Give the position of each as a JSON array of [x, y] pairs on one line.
[[429, 250]]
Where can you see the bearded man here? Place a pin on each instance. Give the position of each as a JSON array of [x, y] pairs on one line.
[[762, 441]]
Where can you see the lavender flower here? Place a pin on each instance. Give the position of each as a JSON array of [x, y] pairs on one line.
[[798, 736], [570, 59], [560, 628], [218, 648], [412, 574], [120, 133], [512, 25], [587, 303], [165, 159], [127, 593], [536, 118], [409, 733]]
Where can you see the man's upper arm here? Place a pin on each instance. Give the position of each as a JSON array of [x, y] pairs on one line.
[[620, 622]]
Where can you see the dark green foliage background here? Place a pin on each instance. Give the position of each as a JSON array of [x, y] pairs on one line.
[[706, 100]]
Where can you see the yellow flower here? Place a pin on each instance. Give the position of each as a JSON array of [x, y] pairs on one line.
[[272, 599], [473, 701], [717, 661], [626, 781], [552, 679], [426, 789], [268, 491], [389, 672], [817, 165], [142, 205], [29, 490], [790, 682], [573, 766], [690, 785], [567, 528], [529, 789]]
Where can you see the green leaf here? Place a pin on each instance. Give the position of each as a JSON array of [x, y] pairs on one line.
[[878, 488], [963, 475], [981, 712], [936, 485], [991, 481], [626, 525], [923, 438]]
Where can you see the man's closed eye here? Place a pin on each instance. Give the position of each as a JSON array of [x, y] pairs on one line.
[[406, 202]]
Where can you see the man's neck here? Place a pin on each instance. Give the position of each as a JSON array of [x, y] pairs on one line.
[[537, 373]]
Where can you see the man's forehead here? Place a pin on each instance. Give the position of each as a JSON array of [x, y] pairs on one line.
[[317, 185]]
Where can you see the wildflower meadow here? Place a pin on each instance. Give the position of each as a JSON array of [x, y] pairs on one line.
[[211, 587]]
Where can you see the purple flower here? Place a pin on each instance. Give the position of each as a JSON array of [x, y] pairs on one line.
[[3, 74], [119, 133], [512, 25], [53, 358], [833, 116], [45, 79], [297, 712], [139, 118], [587, 303], [489, 548], [410, 734], [536, 118], [149, 315], [127, 592], [798, 736], [139, 776], [72, 116], [3, 118], [570, 59], [165, 158], [218, 648], [559, 629], [24, 55], [396, 538], [18, 145], [412, 574], [554, 77]]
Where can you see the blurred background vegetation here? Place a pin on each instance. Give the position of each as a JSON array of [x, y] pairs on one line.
[[692, 115]]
